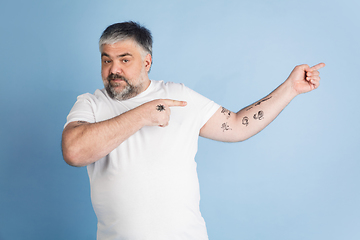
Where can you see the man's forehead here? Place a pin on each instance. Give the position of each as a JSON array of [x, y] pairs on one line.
[[128, 45]]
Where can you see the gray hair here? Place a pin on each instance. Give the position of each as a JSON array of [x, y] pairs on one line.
[[127, 30]]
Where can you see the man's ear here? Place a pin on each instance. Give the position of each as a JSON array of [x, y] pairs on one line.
[[148, 62]]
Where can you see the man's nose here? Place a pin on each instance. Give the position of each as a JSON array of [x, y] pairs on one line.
[[116, 68]]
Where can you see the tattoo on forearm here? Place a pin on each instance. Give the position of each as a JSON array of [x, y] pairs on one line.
[[160, 107], [225, 112], [263, 100], [259, 115], [245, 121], [225, 127], [258, 103]]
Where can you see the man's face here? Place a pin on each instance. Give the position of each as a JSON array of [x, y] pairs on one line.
[[124, 69]]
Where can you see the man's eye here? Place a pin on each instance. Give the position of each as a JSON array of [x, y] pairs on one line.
[[125, 60], [107, 61]]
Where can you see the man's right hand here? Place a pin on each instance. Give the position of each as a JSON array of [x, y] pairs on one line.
[[157, 112]]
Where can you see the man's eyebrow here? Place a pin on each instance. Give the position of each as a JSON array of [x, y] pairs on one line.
[[125, 54], [104, 55], [119, 56]]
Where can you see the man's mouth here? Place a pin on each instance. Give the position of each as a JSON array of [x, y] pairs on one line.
[[116, 78]]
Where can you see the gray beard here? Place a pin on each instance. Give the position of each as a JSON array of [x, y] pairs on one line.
[[128, 92]]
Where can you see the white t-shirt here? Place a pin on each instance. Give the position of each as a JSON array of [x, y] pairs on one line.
[[147, 188]]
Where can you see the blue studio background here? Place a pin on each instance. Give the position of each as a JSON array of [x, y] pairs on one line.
[[298, 179]]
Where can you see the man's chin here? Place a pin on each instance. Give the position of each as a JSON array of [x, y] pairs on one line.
[[117, 89], [120, 93]]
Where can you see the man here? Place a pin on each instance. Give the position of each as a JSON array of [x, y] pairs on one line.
[[138, 139]]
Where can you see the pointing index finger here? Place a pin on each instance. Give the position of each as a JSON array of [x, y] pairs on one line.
[[317, 66], [174, 103]]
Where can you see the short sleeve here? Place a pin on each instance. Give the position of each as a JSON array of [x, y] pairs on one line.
[[206, 108], [82, 110]]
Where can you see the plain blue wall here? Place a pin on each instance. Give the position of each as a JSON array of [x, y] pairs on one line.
[[298, 179]]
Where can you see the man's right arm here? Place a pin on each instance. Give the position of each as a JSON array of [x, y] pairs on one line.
[[84, 143]]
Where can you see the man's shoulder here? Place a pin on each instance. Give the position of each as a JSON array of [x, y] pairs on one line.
[[168, 84], [98, 95]]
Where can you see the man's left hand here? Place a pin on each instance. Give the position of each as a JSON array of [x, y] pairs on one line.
[[304, 78]]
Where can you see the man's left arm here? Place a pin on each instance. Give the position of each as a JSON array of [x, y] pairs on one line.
[[228, 126]]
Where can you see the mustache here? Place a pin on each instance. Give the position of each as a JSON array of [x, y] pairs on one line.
[[113, 76]]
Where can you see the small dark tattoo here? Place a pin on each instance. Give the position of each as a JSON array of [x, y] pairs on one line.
[[80, 123], [245, 121], [263, 100], [160, 107], [225, 126], [259, 115], [225, 112]]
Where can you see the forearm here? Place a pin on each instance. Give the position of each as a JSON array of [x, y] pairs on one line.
[[227, 126], [252, 119], [85, 143]]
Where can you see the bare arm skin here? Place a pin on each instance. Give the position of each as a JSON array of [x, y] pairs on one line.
[[228, 126], [84, 143]]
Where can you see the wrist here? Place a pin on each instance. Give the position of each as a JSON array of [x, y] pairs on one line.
[[288, 86], [139, 117]]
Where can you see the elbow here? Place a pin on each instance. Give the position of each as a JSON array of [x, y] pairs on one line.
[[72, 156], [237, 140], [72, 159], [72, 152], [246, 137]]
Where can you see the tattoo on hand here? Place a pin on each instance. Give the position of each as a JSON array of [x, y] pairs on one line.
[[259, 115], [263, 100], [225, 112], [226, 127], [245, 121], [160, 107]]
